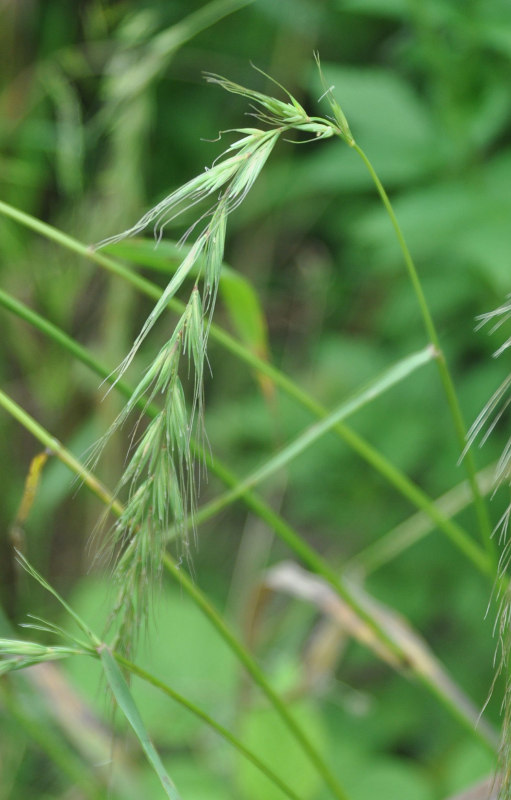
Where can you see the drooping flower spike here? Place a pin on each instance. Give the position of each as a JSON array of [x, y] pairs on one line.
[[159, 478]]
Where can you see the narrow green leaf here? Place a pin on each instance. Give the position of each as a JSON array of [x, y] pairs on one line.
[[245, 312], [389, 378], [125, 701]]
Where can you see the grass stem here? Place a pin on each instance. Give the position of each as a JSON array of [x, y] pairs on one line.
[[485, 527]]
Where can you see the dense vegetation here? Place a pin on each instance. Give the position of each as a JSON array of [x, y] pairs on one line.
[[330, 612]]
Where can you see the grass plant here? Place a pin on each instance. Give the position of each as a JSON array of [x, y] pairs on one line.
[[155, 513], [160, 474]]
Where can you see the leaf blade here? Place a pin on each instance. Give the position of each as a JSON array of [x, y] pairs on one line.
[[125, 701]]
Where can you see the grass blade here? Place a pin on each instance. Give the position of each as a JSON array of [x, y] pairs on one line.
[[124, 699], [419, 525], [389, 378]]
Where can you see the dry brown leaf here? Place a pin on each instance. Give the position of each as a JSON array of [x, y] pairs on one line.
[[295, 581]]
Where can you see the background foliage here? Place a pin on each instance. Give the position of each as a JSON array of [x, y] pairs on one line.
[[104, 110]]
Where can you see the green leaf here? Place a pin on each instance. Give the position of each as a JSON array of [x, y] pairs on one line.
[[245, 311], [392, 376], [172, 650], [127, 705]]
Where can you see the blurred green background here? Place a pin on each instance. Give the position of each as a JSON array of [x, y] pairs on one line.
[[104, 110]]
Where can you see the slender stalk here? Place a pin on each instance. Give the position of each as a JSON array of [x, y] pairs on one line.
[[416, 527], [485, 527], [309, 557], [254, 671], [366, 451]]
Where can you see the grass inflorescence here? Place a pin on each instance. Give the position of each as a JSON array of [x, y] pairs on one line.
[[481, 429], [159, 477]]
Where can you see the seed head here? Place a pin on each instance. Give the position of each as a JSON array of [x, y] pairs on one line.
[[159, 476]]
